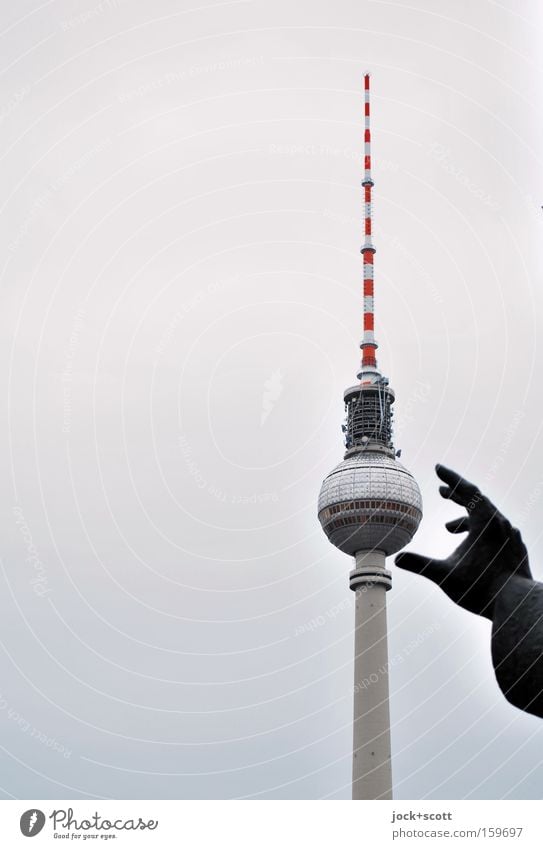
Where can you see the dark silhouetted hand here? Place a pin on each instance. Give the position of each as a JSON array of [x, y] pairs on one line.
[[489, 574], [477, 571]]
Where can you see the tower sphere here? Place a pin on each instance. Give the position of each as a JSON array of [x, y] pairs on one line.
[[370, 501]]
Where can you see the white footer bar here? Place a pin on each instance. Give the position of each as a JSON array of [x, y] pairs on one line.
[[270, 824]]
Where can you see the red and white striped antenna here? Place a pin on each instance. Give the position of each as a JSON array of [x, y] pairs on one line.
[[368, 365]]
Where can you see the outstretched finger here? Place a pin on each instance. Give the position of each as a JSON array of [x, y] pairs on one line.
[[420, 565], [459, 496], [458, 488], [458, 526]]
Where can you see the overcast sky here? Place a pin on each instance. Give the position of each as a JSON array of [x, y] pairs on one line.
[[180, 313]]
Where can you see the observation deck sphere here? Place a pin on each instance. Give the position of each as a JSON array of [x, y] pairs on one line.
[[370, 501]]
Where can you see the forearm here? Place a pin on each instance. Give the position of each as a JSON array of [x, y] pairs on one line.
[[517, 643]]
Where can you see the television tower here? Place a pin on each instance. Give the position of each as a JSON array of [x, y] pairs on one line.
[[370, 507]]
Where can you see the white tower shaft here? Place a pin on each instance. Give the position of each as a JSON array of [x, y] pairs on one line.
[[372, 773]]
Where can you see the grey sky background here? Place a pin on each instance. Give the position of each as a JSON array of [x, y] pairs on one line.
[[181, 214]]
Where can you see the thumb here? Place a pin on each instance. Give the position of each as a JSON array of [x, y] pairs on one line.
[[420, 565]]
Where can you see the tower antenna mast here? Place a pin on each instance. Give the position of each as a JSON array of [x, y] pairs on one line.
[[368, 344]]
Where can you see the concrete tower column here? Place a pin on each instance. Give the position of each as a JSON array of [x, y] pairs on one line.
[[372, 773]]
